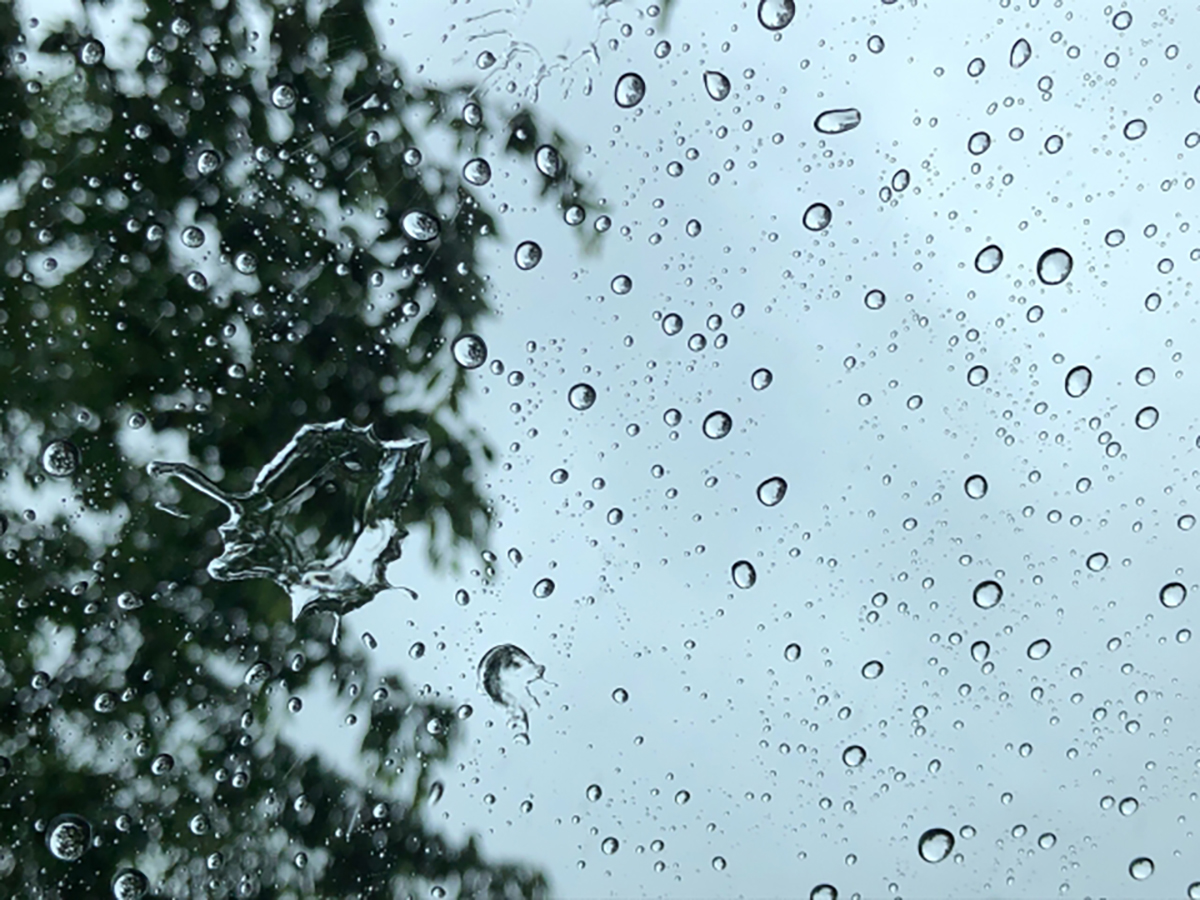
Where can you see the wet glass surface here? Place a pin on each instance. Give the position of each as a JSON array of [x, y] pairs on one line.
[[598, 449]]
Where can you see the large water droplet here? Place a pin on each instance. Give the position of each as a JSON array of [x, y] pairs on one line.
[[477, 171], [1134, 129], [854, 755], [760, 379], [978, 143], [717, 424], [987, 594], [544, 588], [630, 90], [1020, 53], [91, 53], [60, 458], [322, 519], [988, 259], [1141, 868], [837, 121], [716, 84], [744, 575], [872, 670], [68, 836], [1172, 595], [772, 491], [1147, 417], [976, 487], [1097, 561], [775, 15], [505, 673], [1038, 649], [548, 161], [527, 255], [469, 351], [582, 396], [1079, 379], [1054, 266], [817, 217], [129, 884], [283, 96], [980, 650], [977, 375], [935, 845], [208, 162], [420, 226], [610, 845], [791, 652]]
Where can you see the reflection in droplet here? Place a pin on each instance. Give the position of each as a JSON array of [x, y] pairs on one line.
[[837, 121], [91, 53], [129, 884], [630, 90], [987, 594], [716, 84], [817, 217], [527, 255], [1172, 595], [935, 845], [1054, 143], [420, 226], [283, 96], [582, 396], [68, 837], [988, 259], [772, 491], [208, 162], [548, 161], [469, 351], [717, 424], [505, 673], [1020, 53], [477, 171], [775, 15], [744, 575], [976, 487], [594, 792], [1079, 379]]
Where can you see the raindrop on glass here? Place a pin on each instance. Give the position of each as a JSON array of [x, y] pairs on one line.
[[527, 255], [743, 573], [630, 90], [1097, 561], [469, 351], [717, 424], [60, 458], [978, 143], [1141, 868], [582, 396], [935, 845], [477, 171], [1172, 595], [283, 96], [772, 491], [1079, 379], [1020, 53], [987, 594], [791, 652], [129, 884], [988, 259], [1147, 417], [716, 84], [854, 755], [1054, 266], [817, 217], [548, 161], [761, 379], [68, 837], [976, 487], [837, 121], [1038, 649], [543, 589], [775, 15], [420, 226]]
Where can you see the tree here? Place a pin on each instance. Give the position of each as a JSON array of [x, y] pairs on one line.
[[231, 236]]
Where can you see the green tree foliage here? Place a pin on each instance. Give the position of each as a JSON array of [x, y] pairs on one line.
[[285, 135]]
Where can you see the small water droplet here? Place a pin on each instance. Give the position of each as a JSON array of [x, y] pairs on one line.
[[129, 884], [469, 351], [548, 161], [978, 143], [1079, 379], [791, 652], [208, 161], [775, 15], [1141, 868], [594, 792], [935, 845], [283, 96], [544, 588], [60, 458], [527, 255], [837, 121], [987, 594], [772, 491], [817, 217], [854, 756], [874, 299], [610, 845], [582, 396], [1020, 53], [1172, 595], [975, 67], [1147, 417], [988, 259], [717, 425], [872, 669], [1054, 266], [1097, 561], [717, 85], [977, 375], [744, 575], [976, 487], [477, 171], [91, 53], [1038, 649], [761, 379], [980, 650], [420, 226]]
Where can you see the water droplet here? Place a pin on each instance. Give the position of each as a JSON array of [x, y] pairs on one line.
[[744, 575], [505, 673], [620, 695], [1128, 806], [1020, 53], [977, 375], [837, 121], [775, 15], [791, 652], [283, 96], [91, 53], [717, 425], [975, 67], [594, 792], [854, 756], [976, 487], [420, 226], [717, 85], [1147, 417], [1144, 376], [980, 650], [935, 845], [60, 458], [630, 90], [761, 379], [817, 217], [610, 845], [1122, 20], [621, 284], [1054, 143], [544, 588], [662, 49], [582, 396], [162, 764], [875, 43], [772, 491], [129, 884], [988, 259], [68, 837], [875, 299], [485, 60], [246, 263], [548, 161], [1141, 868], [978, 143], [872, 669], [105, 702], [469, 351], [192, 237], [208, 162], [1054, 266], [682, 797], [477, 171], [718, 863], [987, 594], [527, 255], [1079, 379], [1038, 649], [1172, 595]]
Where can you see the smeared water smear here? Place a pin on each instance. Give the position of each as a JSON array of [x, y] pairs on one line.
[[322, 519], [505, 674]]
